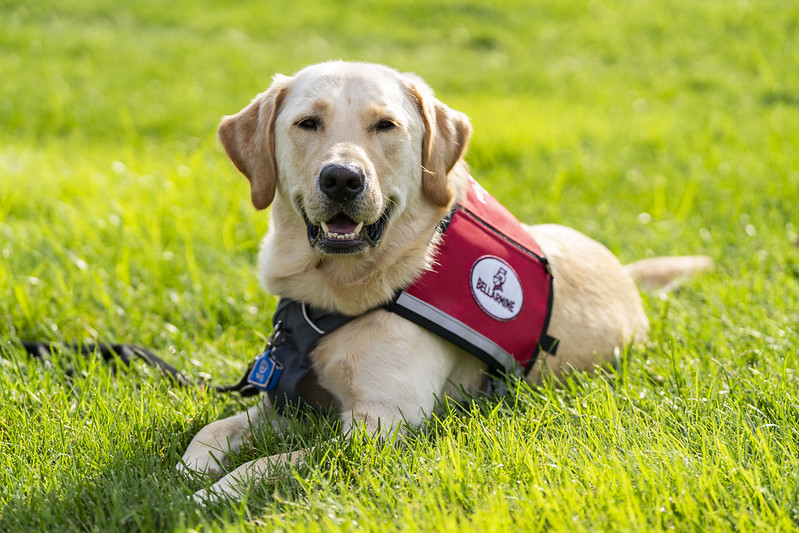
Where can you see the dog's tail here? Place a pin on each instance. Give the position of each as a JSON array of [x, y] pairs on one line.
[[664, 274]]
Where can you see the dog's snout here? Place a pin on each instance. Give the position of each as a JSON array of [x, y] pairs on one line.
[[341, 183]]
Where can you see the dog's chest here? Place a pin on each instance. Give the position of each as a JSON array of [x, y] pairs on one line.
[[382, 358]]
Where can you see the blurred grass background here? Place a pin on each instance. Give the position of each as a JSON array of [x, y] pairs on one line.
[[655, 127]]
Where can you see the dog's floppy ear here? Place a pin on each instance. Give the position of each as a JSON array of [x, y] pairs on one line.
[[249, 140], [445, 137]]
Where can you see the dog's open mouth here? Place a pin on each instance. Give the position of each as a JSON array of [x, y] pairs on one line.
[[342, 235]]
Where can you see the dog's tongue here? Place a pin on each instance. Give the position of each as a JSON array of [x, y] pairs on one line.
[[341, 223]]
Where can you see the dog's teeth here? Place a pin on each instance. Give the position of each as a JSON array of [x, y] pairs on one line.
[[340, 236], [332, 235]]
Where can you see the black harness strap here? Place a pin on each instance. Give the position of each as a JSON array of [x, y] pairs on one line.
[[125, 353], [301, 328]]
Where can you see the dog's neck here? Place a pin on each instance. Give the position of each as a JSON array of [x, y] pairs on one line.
[[354, 284]]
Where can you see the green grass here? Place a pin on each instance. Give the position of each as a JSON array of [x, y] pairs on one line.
[[655, 127]]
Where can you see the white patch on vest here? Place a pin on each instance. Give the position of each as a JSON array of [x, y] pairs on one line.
[[496, 288]]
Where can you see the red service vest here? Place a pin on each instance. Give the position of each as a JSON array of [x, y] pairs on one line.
[[490, 289]]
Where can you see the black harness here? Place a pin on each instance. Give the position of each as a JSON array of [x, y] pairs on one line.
[[286, 361]]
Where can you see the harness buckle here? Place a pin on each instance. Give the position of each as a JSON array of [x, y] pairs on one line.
[[266, 370]]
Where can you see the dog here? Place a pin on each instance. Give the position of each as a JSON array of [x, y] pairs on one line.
[[360, 164]]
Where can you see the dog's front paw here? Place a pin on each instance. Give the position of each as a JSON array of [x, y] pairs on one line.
[[210, 448], [206, 453], [237, 482], [201, 497], [201, 459], [230, 487], [206, 497]]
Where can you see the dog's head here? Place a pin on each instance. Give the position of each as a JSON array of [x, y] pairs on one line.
[[349, 146]]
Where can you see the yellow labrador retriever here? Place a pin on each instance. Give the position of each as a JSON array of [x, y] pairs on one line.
[[360, 163]]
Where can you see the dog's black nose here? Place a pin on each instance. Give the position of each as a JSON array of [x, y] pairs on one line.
[[341, 183]]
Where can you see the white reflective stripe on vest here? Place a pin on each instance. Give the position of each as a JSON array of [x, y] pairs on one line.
[[458, 328]]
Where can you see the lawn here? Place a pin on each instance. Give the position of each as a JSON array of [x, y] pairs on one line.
[[657, 127]]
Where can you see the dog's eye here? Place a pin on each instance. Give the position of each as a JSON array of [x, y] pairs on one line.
[[385, 125], [310, 124]]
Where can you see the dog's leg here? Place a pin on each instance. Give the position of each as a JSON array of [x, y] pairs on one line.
[[385, 382], [386, 423], [232, 485], [209, 449]]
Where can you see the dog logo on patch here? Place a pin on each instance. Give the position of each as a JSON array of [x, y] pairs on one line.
[[496, 288], [499, 279]]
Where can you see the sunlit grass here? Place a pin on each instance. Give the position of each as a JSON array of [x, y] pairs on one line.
[[656, 127]]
